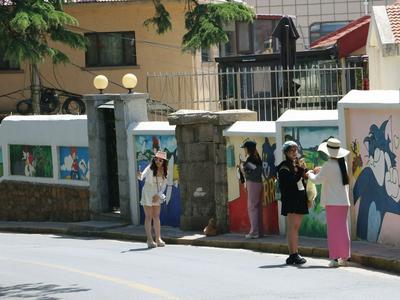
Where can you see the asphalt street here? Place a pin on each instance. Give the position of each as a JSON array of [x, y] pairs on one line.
[[51, 267]]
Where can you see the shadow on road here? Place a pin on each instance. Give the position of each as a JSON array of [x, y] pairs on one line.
[[137, 250], [38, 291], [299, 267]]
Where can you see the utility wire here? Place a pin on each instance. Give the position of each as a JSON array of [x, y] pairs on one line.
[[156, 44], [44, 78], [93, 73], [14, 92], [161, 45], [55, 76]]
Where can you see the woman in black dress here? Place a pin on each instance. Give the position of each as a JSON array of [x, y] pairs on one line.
[[294, 198]]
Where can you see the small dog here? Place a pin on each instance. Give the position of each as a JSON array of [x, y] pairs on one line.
[[211, 228]]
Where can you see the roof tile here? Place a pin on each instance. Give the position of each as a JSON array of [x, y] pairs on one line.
[[331, 38], [393, 12]]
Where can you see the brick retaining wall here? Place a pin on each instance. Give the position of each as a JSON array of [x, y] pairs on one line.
[[26, 201]]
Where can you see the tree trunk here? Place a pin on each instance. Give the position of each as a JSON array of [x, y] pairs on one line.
[[35, 89]]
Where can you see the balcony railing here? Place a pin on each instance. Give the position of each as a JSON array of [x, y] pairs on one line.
[[268, 91]]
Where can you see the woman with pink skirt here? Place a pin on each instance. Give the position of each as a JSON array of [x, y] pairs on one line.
[[335, 197]]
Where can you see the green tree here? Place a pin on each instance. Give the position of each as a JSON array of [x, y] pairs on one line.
[[203, 21], [27, 26]]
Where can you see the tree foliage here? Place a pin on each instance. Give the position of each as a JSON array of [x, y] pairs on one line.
[[161, 19], [203, 21], [27, 26]]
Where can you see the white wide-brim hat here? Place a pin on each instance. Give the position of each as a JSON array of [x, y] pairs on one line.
[[161, 154], [333, 148]]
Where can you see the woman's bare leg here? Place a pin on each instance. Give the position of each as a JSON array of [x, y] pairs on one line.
[[156, 223], [148, 213], [293, 222]]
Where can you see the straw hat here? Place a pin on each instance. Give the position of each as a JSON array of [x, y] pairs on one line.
[[161, 154], [333, 148]]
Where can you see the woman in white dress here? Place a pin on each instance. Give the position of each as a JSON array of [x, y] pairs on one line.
[[155, 176]]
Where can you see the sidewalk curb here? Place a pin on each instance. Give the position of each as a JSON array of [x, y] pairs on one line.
[[379, 263], [376, 262]]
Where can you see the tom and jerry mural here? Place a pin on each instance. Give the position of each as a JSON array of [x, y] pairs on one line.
[[374, 137]]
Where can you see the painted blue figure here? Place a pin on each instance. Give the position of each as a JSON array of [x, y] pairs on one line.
[[377, 186], [268, 158]]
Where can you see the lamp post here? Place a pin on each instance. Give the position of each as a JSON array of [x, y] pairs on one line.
[[129, 82], [100, 82]]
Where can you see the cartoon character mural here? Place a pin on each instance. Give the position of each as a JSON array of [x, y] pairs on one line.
[[309, 138], [376, 189], [268, 158], [237, 195], [31, 161], [146, 146], [356, 160], [74, 163]]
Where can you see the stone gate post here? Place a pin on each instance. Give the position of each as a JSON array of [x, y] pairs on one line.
[[128, 108], [202, 164]]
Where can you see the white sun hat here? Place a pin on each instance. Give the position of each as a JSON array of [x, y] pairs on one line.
[[333, 148]]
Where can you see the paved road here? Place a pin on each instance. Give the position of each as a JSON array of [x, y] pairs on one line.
[[59, 267]]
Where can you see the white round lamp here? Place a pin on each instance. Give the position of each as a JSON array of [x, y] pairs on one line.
[[100, 82], [129, 81]]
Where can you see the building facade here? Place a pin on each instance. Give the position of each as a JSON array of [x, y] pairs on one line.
[[119, 44], [383, 47], [315, 18]]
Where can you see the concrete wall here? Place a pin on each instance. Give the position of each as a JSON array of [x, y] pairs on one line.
[[264, 134], [309, 129], [45, 168], [144, 140], [50, 134], [370, 126]]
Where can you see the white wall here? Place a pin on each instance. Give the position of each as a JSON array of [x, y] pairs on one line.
[[50, 130], [383, 52], [142, 128]]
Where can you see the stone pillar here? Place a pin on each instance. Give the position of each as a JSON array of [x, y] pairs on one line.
[[98, 184], [128, 108], [202, 164]]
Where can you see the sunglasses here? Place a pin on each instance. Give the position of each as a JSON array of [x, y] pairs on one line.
[[158, 160]]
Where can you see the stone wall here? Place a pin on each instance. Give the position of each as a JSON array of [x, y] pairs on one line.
[[202, 165], [27, 201]]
